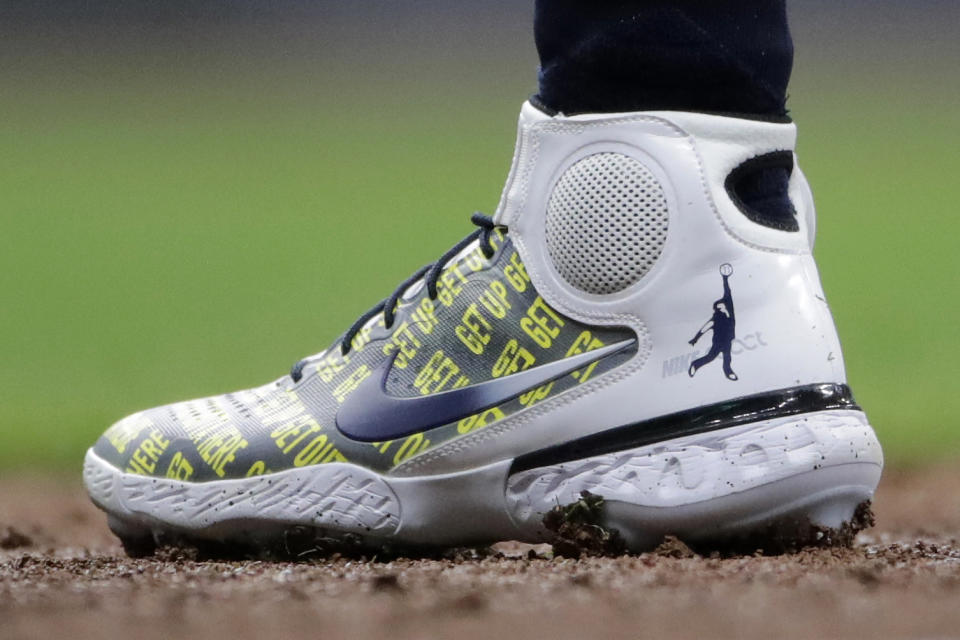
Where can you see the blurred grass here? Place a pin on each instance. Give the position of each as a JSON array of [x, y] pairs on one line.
[[170, 235], [883, 168]]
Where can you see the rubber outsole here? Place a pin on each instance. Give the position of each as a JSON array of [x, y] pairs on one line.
[[798, 473]]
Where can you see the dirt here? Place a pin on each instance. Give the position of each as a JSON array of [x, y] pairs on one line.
[[62, 574], [577, 530]]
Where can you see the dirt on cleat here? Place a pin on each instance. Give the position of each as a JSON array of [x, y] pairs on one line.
[[795, 535], [578, 530], [674, 547]]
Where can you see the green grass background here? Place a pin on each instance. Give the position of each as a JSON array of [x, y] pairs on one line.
[[176, 225]]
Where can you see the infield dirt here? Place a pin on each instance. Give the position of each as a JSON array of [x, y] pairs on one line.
[[63, 575]]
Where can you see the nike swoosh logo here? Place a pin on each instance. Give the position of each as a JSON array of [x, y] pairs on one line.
[[370, 414]]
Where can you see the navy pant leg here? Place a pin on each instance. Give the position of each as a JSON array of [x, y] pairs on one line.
[[723, 56]]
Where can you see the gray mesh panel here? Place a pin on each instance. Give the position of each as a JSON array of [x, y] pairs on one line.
[[606, 223]]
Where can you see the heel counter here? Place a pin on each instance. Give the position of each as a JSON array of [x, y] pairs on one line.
[[828, 336], [779, 332], [782, 334]]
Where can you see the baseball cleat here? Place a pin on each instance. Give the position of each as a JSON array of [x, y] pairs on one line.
[[641, 319]]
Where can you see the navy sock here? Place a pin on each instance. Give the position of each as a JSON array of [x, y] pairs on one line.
[[720, 56]]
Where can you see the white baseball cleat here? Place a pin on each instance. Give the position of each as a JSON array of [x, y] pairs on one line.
[[642, 319]]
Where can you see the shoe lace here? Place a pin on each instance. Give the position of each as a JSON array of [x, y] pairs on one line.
[[430, 274]]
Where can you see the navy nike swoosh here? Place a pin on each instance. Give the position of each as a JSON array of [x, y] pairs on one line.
[[370, 414]]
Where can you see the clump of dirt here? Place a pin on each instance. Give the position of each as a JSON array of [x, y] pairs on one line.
[[863, 519], [10, 538], [578, 530], [794, 535], [674, 547]]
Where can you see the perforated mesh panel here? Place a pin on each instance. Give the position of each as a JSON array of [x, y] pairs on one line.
[[606, 223]]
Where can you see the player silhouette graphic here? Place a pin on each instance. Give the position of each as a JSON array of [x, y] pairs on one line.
[[723, 325]]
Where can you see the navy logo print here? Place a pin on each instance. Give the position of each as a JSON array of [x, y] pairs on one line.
[[723, 325], [370, 414]]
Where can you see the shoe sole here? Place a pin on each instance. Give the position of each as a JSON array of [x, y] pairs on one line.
[[815, 469]]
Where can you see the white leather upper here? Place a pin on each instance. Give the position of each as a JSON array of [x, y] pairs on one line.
[[785, 333]]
